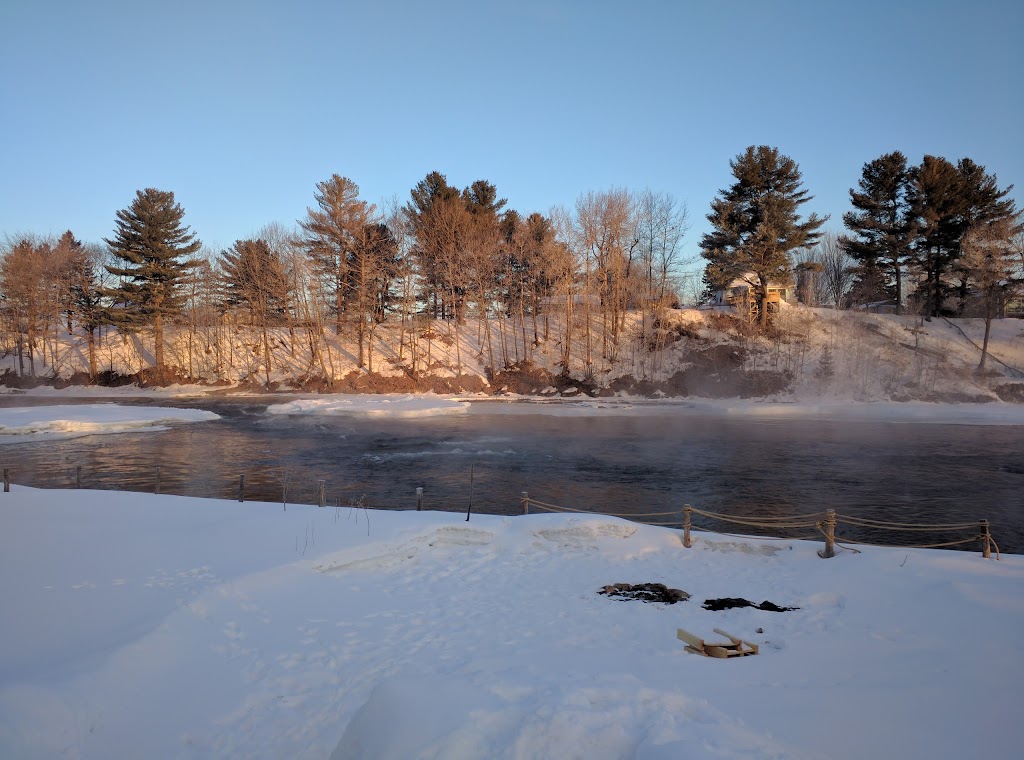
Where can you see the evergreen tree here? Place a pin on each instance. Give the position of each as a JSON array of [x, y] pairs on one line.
[[756, 223], [153, 244], [939, 207], [374, 266], [438, 218], [985, 205], [254, 277], [882, 225], [332, 231]]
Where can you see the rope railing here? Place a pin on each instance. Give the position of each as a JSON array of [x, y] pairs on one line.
[[869, 523], [557, 508], [823, 523], [765, 518]]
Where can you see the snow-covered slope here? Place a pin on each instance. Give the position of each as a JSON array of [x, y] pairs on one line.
[[810, 353]]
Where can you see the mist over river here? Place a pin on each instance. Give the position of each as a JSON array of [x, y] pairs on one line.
[[615, 463]]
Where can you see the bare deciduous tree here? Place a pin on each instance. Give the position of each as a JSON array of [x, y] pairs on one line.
[[837, 274], [989, 261]]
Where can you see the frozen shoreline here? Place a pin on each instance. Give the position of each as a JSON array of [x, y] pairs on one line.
[[424, 405]]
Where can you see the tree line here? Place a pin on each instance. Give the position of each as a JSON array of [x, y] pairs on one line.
[[947, 230], [459, 258], [448, 255]]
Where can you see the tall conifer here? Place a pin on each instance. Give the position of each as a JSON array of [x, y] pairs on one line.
[[153, 244], [756, 223], [882, 225]]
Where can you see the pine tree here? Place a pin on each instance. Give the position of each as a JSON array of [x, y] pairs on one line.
[[939, 205], [332, 230], [438, 218], [756, 223], [153, 244], [882, 225], [948, 201], [254, 277], [374, 266], [985, 205]]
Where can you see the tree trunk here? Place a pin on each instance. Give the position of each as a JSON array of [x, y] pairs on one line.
[[266, 352], [988, 329], [92, 353], [899, 287], [762, 303], [158, 341]]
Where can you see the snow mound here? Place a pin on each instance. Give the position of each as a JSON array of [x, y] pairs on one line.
[[389, 556], [405, 405], [21, 424]]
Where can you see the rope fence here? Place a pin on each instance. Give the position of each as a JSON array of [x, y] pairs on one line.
[[808, 526], [820, 524]]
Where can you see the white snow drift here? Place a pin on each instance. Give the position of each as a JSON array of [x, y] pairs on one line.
[[393, 405]]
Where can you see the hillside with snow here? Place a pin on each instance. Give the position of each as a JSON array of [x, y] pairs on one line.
[[807, 354]]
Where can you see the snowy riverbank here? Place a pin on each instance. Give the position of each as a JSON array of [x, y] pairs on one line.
[[158, 626]]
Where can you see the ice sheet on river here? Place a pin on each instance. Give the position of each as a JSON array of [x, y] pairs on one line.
[[404, 405], [21, 424]]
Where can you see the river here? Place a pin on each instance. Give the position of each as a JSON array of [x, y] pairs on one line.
[[617, 464]]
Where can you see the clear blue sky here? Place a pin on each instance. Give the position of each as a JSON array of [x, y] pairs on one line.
[[240, 108]]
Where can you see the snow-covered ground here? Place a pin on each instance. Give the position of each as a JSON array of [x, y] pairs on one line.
[[35, 423], [155, 626]]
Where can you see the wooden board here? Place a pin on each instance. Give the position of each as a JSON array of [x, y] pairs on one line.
[[735, 647]]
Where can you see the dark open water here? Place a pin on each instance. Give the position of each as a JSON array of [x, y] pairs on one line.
[[618, 464]]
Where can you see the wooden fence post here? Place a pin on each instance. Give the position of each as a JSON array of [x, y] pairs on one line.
[[986, 550], [686, 525], [7, 481], [156, 486], [525, 500], [419, 499], [78, 476], [241, 487], [830, 535], [321, 487]]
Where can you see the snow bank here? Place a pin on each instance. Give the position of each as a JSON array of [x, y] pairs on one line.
[[995, 413], [158, 626], [176, 390], [21, 424], [404, 405]]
